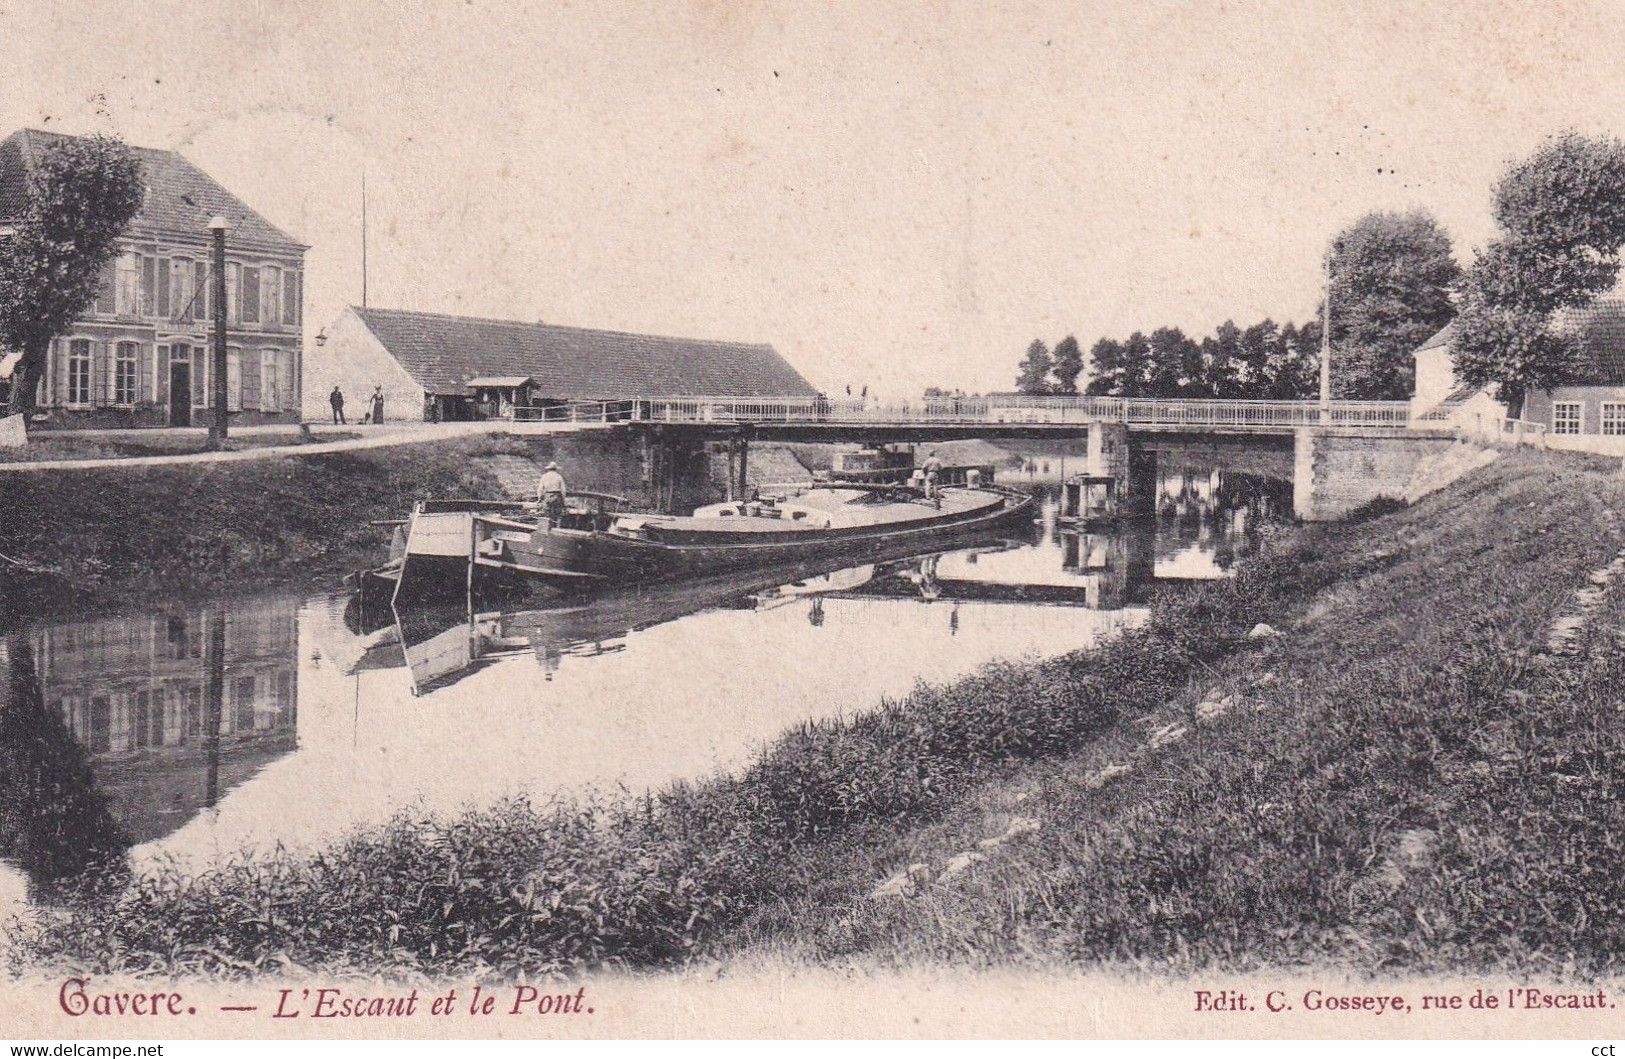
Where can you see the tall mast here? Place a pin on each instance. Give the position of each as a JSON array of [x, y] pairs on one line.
[[363, 237]]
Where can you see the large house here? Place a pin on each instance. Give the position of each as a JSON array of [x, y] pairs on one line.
[[1594, 405], [140, 356], [432, 366]]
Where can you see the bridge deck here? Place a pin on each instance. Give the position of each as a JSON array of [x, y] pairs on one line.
[[984, 416]]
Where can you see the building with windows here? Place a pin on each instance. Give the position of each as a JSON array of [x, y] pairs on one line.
[[432, 366], [140, 356], [1589, 413]]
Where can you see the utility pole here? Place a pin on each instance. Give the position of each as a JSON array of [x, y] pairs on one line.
[[217, 429], [1326, 351]]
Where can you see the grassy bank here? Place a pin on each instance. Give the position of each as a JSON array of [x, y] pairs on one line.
[[110, 535], [1419, 775]]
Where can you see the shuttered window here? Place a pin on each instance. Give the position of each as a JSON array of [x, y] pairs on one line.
[[127, 288], [163, 288], [290, 384], [202, 396], [250, 376], [290, 298], [149, 286], [205, 291], [101, 372], [234, 380], [270, 380], [273, 295], [251, 295], [126, 372], [181, 290], [106, 283], [78, 373]]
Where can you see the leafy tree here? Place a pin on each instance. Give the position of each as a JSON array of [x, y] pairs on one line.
[[1176, 365], [1391, 282], [1225, 370], [1138, 366], [1067, 365], [1033, 373], [1562, 218], [1105, 368], [82, 194]]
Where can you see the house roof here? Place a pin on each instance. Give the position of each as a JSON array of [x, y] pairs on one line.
[[443, 353], [179, 201], [1440, 337], [1600, 329]]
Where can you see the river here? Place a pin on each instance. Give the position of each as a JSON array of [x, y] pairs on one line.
[[192, 731]]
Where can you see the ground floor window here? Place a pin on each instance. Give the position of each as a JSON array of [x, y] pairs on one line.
[[1565, 417], [126, 367], [1613, 417], [79, 371]]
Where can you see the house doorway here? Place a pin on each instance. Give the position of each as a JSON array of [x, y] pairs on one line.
[[180, 393]]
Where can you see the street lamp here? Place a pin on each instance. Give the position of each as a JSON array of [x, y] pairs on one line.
[[217, 430]]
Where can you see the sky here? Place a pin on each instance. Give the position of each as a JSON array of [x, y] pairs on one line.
[[893, 195]]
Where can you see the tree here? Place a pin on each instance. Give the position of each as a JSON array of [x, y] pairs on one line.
[[1562, 218], [1033, 373], [1391, 281], [1106, 365], [1067, 365], [82, 194]]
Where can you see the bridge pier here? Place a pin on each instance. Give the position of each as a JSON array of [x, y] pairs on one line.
[[1337, 470], [676, 472], [1108, 454]]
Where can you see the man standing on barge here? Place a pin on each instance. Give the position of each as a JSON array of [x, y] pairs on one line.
[[550, 491]]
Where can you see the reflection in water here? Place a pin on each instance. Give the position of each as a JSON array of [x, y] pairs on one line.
[[54, 823], [173, 734], [136, 724]]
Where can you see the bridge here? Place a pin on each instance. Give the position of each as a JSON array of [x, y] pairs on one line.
[[810, 419], [1344, 453]]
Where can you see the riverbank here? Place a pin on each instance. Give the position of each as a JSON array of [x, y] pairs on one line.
[[101, 537], [1422, 774]]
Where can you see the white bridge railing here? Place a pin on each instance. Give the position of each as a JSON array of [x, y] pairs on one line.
[[1135, 411]]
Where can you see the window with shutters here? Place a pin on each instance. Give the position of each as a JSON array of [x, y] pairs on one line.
[[181, 290], [290, 298], [126, 372], [272, 286], [270, 380], [79, 372], [149, 286], [163, 289], [251, 378], [127, 291], [234, 296], [106, 283], [204, 287], [202, 395], [234, 380], [251, 295]]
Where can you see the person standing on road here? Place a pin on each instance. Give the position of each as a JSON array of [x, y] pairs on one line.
[[378, 404], [550, 491], [336, 399]]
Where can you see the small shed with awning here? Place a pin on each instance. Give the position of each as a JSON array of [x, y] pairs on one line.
[[502, 392]]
